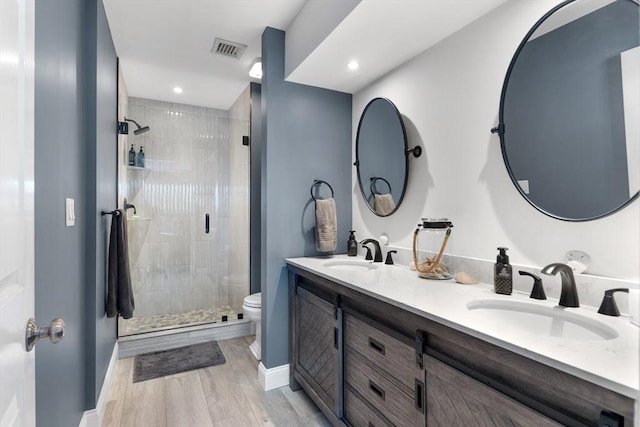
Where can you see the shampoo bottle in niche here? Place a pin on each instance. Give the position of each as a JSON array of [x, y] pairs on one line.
[[132, 156], [352, 244], [140, 160], [503, 274]]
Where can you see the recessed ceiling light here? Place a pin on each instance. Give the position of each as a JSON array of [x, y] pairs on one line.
[[177, 89], [353, 65]]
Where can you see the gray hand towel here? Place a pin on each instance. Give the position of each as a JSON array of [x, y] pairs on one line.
[[119, 290], [326, 225], [383, 204]]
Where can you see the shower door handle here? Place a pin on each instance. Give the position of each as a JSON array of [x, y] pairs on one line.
[[206, 223]]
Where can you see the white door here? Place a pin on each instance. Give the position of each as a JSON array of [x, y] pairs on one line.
[[17, 370]]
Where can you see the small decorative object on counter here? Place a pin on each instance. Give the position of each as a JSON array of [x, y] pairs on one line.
[[503, 274], [465, 278], [429, 259], [140, 159], [578, 261], [132, 156], [352, 244]]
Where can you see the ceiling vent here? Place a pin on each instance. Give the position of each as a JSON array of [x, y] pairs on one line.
[[227, 48]]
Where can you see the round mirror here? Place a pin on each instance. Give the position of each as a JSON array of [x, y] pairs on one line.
[[569, 112], [381, 156]]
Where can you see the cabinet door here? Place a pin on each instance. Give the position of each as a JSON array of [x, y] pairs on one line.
[[316, 341], [456, 399]]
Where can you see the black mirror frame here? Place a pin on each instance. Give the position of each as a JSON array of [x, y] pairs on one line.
[[500, 128], [407, 151]]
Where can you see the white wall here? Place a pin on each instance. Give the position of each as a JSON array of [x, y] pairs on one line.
[[449, 96]]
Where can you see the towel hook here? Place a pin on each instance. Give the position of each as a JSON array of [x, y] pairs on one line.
[[319, 182], [374, 179]]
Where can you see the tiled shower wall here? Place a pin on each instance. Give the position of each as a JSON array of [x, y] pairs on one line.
[[191, 169]]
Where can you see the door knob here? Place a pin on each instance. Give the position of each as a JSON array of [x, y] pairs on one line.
[[55, 332]]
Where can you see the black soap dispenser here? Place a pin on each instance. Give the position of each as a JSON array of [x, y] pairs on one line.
[[503, 274], [352, 244], [132, 156]]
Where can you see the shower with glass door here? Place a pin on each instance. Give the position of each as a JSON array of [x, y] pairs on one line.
[[189, 237]]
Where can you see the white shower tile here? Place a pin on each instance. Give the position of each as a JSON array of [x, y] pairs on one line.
[[197, 166]]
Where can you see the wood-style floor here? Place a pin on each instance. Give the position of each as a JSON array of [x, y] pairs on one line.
[[224, 395]]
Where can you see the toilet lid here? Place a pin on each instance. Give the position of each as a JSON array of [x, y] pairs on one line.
[[254, 300]]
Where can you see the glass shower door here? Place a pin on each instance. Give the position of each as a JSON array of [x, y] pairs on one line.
[[184, 273]]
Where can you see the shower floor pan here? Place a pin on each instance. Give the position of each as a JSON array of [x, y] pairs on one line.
[[161, 322]]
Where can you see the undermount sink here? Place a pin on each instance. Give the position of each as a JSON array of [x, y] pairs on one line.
[[543, 320], [349, 265]]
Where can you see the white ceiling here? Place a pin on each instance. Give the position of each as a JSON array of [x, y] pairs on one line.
[[382, 34], [167, 43]]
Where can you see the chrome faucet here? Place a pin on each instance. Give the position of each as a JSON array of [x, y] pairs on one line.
[[378, 253], [569, 294]]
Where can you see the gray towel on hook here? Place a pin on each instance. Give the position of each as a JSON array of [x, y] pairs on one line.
[[119, 290], [383, 204], [326, 225]]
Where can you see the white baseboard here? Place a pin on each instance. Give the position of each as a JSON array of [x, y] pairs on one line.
[[90, 418], [94, 417], [273, 377]]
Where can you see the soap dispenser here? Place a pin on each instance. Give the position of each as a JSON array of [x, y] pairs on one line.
[[132, 156], [140, 160], [352, 244], [503, 274]]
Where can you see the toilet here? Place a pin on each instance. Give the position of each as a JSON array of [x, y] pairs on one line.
[[252, 308]]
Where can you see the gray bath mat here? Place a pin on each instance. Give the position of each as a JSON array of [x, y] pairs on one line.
[[168, 362]]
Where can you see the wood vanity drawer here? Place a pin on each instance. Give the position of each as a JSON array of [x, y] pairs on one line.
[[390, 354], [357, 413], [456, 399], [394, 401]]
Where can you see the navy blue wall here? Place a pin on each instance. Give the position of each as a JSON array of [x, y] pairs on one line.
[[101, 100], [306, 135], [74, 157], [59, 173], [255, 184]]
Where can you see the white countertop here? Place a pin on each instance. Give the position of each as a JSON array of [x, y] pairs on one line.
[[612, 364]]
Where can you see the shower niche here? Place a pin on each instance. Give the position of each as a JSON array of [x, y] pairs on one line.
[[187, 271]]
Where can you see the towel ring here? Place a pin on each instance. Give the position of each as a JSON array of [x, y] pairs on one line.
[[318, 182], [373, 183]]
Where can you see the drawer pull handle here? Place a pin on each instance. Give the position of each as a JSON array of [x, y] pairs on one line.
[[376, 346], [419, 396], [377, 390], [335, 338]]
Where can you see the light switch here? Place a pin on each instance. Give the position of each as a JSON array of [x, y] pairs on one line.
[[70, 213]]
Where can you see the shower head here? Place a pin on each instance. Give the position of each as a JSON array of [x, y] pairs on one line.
[[140, 129]]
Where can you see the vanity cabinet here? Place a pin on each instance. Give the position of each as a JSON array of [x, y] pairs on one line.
[[456, 399], [316, 347], [380, 376], [392, 367]]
